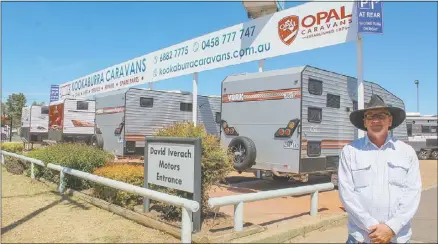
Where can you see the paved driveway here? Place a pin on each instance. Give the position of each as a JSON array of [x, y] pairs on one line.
[[424, 224]]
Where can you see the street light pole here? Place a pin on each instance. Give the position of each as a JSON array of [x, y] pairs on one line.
[[418, 101]]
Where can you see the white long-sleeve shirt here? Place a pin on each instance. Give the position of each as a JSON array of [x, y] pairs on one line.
[[379, 186]]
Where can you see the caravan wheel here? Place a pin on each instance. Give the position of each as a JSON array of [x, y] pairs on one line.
[[434, 155], [97, 141], [423, 155], [244, 151]]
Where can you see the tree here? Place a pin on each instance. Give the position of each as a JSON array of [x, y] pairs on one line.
[[14, 106], [3, 115], [38, 103]]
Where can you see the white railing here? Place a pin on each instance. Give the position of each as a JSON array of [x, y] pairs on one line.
[[188, 206], [238, 200]]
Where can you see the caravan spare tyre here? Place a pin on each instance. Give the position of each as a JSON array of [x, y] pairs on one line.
[[244, 152]]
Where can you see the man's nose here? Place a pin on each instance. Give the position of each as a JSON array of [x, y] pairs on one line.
[[375, 120]]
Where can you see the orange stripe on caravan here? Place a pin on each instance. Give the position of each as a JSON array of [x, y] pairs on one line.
[[328, 144], [135, 137], [262, 95], [304, 147]]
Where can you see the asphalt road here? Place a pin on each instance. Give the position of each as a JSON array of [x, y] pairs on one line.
[[424, 224]]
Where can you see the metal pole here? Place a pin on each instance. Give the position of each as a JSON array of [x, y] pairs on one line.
[[418, 97], [186, 228], [61, 181], [238, 216], [314, 203], [261, 65], [10, 131], [32, 174], [360, 87], [195, 98]]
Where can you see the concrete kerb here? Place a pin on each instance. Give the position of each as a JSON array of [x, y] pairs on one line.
[[285, 234]]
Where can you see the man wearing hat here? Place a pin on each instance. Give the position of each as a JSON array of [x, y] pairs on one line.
[[379, 178]]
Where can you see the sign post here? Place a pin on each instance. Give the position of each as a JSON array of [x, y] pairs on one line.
[[174, 162], [369, 20], [370, 16], [54, 93]]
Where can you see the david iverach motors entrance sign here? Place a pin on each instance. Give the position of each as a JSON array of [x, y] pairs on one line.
[[174, 162], [171, 165]]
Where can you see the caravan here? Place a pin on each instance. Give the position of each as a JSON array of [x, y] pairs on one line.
[[71, 120], [422, 133], [125, 117], [293, 122], [34, 123]]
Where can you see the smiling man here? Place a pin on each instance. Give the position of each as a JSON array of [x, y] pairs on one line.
[[379, 178]]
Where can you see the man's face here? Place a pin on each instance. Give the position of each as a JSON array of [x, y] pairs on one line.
[[377, 121]]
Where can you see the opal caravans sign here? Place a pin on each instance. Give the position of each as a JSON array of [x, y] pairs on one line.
[[308, 26]]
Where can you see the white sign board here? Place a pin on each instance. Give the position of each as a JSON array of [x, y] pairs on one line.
[[171, 165], [308, 26]]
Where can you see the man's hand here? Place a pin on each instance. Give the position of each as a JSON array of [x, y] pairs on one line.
[[380, 233]]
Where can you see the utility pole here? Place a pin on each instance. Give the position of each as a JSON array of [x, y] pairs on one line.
[[418, 101]]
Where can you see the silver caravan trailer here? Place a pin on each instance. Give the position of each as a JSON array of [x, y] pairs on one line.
[[422, 133], [293, 122], [125, 117], [34, 123], [71, 120]]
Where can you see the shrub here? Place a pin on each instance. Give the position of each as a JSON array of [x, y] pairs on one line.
[[131, 174], [13, 147], [14, 165], [72, 155], [216, 163]]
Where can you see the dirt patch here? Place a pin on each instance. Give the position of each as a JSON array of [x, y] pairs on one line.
[[32, 212]]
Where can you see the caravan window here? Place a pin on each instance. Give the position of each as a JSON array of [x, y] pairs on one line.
[[218, 117], [409, 127], [333, 101], [425, 129], [188, 107], [44, 110], [433, 129], [146, 102], [314, 115], [313, 148], [81, 105], [315, 86]]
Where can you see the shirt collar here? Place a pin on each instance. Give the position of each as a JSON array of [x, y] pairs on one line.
[[389, 139]]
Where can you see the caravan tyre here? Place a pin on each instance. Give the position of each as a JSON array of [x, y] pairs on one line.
[[97, 141], [244, 152], [434, 154], [423, 155]]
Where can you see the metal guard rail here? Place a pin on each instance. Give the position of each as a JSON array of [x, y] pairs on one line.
[[238, 200], [188, 206]]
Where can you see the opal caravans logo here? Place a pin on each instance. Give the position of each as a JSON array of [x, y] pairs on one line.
[[288, 29]]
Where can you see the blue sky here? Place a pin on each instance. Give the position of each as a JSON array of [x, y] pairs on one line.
[[48, 43]]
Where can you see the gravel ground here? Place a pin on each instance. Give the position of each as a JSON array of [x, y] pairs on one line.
[[33, 212]]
